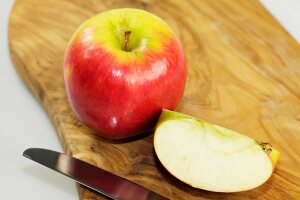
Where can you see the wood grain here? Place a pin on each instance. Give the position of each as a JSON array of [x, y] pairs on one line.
[[243, 73]]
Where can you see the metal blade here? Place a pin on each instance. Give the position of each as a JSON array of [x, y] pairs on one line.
[[92, 177]]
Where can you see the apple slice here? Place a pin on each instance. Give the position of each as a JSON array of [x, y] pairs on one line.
[[211, 157]]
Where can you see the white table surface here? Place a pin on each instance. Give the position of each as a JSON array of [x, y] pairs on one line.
[[24, 124]]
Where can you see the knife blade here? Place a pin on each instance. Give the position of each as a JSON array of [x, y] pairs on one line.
[[104, 182]]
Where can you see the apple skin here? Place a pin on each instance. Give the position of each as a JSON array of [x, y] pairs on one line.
[[119, 93]]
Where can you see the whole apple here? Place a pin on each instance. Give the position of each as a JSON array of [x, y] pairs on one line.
[[121, 68]]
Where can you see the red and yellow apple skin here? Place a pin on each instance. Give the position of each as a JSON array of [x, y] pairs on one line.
[[119, 89]]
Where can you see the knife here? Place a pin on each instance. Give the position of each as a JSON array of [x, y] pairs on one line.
[[104, 182]]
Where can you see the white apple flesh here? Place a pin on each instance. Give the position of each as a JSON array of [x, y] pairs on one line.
[[211, 157]]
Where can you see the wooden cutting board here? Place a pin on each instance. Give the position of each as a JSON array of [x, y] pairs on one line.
[[243, 73]]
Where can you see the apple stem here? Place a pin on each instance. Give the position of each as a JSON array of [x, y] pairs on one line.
[[127, 36]]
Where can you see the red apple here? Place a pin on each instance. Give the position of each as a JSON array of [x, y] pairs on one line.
[[121, 68]]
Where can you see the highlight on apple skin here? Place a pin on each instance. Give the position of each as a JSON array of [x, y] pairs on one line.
[[121, 68], [211, 157]]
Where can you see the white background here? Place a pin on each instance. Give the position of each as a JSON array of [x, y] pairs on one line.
[[24, 124]]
